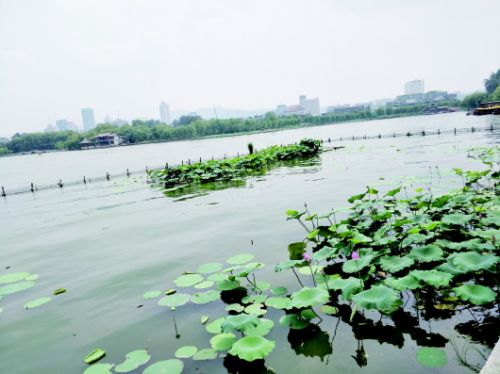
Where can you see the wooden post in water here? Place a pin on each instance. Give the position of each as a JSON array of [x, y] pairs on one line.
[[128, 173], [3, 192], [60, 183], [379, 136], [32, 188], [182, 162], [166, 165], [393, 134], [189, 161], [472, 129], [200, 160], [84, 180], [455, 131], [439, 131], [107, 176], [423, 132]]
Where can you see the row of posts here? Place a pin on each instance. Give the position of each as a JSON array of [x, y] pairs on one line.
[[108, 176]]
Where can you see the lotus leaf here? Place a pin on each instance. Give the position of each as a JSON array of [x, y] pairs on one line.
[[354, 266], [205, 297], [188, 280], [228, 285], [393, 264], [215, 327], [170, 291], [294, 322], [174, 300], [15, 287], [13, 277], [473, 261], [414, 239], [296, 250], [450, 267], [278, 302], [279, 290], [328, 309], [205, 354], [492, 218], [234, 308], [222, 342], [151, 294], [172, 366], [408, 282], [256, 309], [254, 299], [186, 351], [284, 265], [434, 278], [94, 356], [381, 298], [217, 277], [37, 302], [262, 286], [32, 277], [456, 219], [427, 253], [310, 270], [133, 360], [240, 259], [210, 267], [347, 286], [251, 348], [59, 291], [261, 329], [308, 297], [240, 322], [432, 357], [99, 369], [204, 319], [476, 294]]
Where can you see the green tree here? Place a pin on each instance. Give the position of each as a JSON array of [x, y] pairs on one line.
[[491, 83], [473, 100], [495, 96]]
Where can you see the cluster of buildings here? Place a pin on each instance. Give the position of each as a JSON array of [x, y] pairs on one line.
[[305, 106]]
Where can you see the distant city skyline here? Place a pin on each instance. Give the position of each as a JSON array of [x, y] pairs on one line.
[[88, 119], [200, 54]]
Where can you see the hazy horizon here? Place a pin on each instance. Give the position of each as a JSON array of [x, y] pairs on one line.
[[123, 57]]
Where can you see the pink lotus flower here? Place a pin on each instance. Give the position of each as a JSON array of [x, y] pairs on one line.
[[355, 255], [306, 256]]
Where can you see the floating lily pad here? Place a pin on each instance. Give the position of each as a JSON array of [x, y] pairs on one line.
[[432, 357], [31, 277], [188, 280], [279, 290], [473, 261], [234, 308], [262, 286], [174, 300], [204, 284], [170, 291], [427, 253], [13, 277], [254, 299], [15, 287], [94, 356], [308, 297], [456, 219], [278, 302], [186, 351], [432, 277], [476, 294], [205, 297], [240, 259], [228, 285], [256, 309], [381, 298], [223, 342], [217, 277], [205, 354], [215, 327], [37, 302], [408, 282], [59, 291], [239, 322], [172, 366], [133, 360], [328, 309], [151, 294], [310, 270], [211, 267], [294, 322], [263, 328], [394, 264], [99, 369], [348, 286], [251, 348]]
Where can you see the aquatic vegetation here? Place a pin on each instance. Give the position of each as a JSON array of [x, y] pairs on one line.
[[133, 360], [94, 356], [38, 302]]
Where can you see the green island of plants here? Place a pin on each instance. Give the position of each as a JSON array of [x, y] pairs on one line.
[[388, 263]]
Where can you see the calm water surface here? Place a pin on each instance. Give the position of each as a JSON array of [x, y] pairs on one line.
[[110, 242]]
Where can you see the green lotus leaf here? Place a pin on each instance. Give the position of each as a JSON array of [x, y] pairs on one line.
[[1, 310], [14, 277], [348, 286], [296, 250], [252, 266], [59, 291], [450, 267], [414, 239], [210, 267], [239, 322], [434, 278], [456, 219], [174, 300], [427, 253], [256, 309], [94, 356], [234, 308], [249, 299], [37, 302], [31, 277], [186, 351], [278, 302], [284, 265], [393, 264], [240, 259], [473, 261], [307, 314], [251, 348], [492, 218], [222, 342], [408, 282], [232, 269], [217, 277], [133, 360], [359, 238], [432, 357], [476, 244], [172, 366], [308, 297], [486, 234], [279, 290], [204, 319], [310, 270], [262, 286], [170, 291], [476, 294], [381, 298], [204, 284], [188, 280], [215, 327], [354, 266], [205, 354], [262, 329], [294, 322], [328, 309], [99, 369], [323, 281], [205, 297], [151, 294], [15, 287], [228, 285]]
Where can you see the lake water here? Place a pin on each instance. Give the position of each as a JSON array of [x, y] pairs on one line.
[[109, 242]]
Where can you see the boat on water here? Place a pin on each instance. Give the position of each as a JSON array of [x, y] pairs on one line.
[[492, 107]]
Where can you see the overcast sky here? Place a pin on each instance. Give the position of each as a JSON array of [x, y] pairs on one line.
[[125, 56]]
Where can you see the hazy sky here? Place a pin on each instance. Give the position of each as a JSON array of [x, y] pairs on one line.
[[125, 56]]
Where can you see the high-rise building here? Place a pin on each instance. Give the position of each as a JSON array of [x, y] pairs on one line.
[[310, 106], [64, 124], [88, 118], [164, 113], [415, 87]]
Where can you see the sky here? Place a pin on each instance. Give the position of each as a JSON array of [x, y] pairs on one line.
[[123, 57]]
